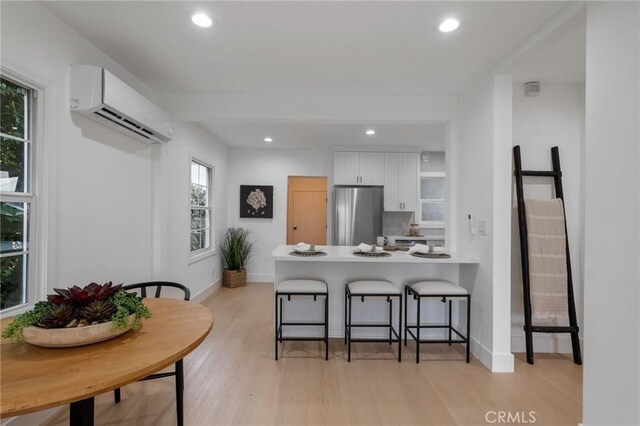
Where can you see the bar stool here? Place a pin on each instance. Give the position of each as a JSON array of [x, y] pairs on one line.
[[372, 288], [309, 288], [444, 290]]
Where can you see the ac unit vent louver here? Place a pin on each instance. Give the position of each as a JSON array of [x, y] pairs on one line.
[[102, 97], [123, 122]]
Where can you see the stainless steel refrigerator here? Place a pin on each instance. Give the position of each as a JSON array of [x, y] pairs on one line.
[[357, 214]]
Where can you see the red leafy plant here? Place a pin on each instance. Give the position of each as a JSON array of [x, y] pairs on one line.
[[80, 297], [80, 306]]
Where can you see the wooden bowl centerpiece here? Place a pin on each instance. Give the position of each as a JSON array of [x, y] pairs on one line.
[[79, 316]]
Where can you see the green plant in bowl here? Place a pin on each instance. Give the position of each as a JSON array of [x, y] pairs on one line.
[[82, 306]]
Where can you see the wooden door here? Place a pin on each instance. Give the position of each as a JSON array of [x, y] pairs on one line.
[[346, 168], [307, 210], [372, 168]]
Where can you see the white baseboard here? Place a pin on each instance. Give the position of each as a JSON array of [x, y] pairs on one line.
[[545, 343], [260, 278], [481, 352], [207, 291], [503, 363], [496, 362], [31, 419]]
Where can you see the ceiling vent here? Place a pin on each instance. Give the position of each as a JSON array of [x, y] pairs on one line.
[[532, 89], [102, 97]]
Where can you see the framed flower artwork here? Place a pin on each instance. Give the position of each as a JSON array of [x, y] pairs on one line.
[[256, 201]]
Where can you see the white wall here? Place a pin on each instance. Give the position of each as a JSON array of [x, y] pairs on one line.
[[271, 167], [171, 180], [100, 180], [553, 118], [484, 130], [104, 220], [612, 216]]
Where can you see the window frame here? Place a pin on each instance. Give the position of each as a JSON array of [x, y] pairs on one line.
[[41, 176], [197, 255], [432, 223]]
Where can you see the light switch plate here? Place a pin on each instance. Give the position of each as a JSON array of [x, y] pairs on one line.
[[482, 228]]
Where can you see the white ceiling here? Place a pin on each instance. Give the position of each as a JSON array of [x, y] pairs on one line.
[[308, 47], [557, 58], [424, 136]]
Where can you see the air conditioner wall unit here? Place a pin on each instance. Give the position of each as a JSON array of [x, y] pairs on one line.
[[101, 96]]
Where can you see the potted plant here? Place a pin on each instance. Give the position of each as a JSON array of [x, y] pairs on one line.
[[235, 249], [79, 316]]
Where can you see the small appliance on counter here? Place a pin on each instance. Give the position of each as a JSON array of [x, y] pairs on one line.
[[414, 230]]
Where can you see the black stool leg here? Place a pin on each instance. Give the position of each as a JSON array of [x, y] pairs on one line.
[[418, 332], [450, 322], [399, 328], [116, 395], [281, 310], [406, 324], [468, 326], [180, 392], [390, 300], [345, 315], [326, 327], [276, 325], [349, 330]]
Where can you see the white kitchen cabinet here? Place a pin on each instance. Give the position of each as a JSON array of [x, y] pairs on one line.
[[401, 182], [391, 182], [358, 168], [346, 168], [371, 168]]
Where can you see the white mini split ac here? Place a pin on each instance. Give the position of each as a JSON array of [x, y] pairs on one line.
[[103, 97]]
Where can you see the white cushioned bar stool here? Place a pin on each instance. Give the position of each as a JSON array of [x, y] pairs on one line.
[[302, 287], [443, 290], [372, 288]]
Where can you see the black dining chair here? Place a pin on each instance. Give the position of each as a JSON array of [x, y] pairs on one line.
[[179, 372]]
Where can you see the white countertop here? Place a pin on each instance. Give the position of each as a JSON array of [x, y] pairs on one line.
[[345, 254]]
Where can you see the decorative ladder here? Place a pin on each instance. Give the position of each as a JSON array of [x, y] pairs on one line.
[[529, 328]]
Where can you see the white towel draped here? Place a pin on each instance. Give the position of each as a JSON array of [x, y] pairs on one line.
[[303, 247], [364, 247], [419, 248], [547, 258]]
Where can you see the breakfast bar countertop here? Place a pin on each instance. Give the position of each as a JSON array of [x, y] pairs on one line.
[[345, 254]]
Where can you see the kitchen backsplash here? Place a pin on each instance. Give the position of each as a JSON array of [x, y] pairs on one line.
[[395, 223]]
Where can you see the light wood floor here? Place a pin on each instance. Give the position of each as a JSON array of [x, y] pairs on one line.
[[232, 379]]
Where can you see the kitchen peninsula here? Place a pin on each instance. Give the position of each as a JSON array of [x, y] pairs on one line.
[[340, 266]]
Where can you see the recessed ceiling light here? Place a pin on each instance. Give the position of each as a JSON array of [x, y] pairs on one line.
[[201, 20], [268, 140], [370, 132], [449, 25]]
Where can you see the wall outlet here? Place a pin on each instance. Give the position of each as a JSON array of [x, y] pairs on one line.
[[482, 228]]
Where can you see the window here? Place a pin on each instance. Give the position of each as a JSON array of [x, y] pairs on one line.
[[201, 209], [17, 200], [432, 189]]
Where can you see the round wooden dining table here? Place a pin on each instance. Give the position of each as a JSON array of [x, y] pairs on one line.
[[35, 378]]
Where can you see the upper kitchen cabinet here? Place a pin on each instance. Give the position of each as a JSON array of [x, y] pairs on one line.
[[401, 182], [358, 168]]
